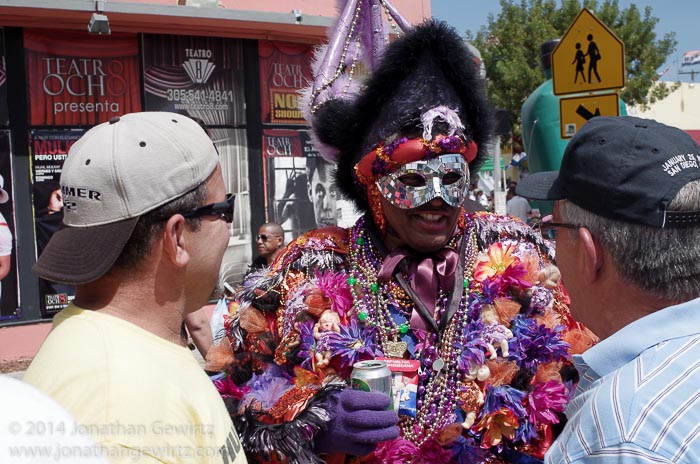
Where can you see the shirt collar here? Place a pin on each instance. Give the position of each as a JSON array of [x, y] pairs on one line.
[[627, 343]]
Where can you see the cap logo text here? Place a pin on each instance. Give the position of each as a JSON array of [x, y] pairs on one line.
[[81, 192], [676, 164]]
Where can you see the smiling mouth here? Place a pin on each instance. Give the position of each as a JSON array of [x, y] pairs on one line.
[[429, 217]]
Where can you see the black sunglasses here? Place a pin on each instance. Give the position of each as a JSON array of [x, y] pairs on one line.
[[548, 229], [222, 210], [264, 237]]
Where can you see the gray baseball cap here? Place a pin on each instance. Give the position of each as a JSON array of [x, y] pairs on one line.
[[115, 173]]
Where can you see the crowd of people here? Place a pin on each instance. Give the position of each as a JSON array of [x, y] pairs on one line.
[[498, 352]]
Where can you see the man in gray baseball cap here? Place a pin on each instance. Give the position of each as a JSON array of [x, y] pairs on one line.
[[146, 224]]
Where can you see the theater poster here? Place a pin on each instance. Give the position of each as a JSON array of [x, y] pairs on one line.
[[285, 183], [4, 113], [201, 77], [9, 299], [48, 149], [285, 68], [80, 79]]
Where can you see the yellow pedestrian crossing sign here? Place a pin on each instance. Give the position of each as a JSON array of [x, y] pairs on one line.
[[589, 57]]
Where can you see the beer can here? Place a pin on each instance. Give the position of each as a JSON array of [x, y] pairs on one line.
[[371, 375]]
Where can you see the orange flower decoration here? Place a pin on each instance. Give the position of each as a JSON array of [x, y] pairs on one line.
[[496, 263], [497, 425]]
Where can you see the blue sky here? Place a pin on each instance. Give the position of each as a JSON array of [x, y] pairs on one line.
[[681, 16]]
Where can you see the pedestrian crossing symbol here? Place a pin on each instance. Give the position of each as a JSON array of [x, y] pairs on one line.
[[589, 58]]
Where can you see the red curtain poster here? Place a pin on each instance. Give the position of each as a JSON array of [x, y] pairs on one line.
[[284, 69], [198, 76], [9, 300], [48, 149], [76, 78]]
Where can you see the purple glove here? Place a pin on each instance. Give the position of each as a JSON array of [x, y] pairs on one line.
[[359, 421]]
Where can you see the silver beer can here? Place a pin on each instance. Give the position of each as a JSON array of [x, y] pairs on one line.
[[372, 375]]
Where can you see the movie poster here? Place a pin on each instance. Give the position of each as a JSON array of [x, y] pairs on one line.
[[4, 112], [285, 68], [299, 187], [48, 149], [232, 146], [9, 299], [80, 79], [200, 77]]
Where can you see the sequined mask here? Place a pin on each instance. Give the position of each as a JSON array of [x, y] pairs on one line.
[[416, 183]]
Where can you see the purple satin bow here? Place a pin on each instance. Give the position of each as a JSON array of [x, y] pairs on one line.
[[427, 274]]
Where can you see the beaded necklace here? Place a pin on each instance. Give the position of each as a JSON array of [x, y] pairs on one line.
[[439, 375]]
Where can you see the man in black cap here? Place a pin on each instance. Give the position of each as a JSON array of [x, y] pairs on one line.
[[626, 222], [465, 309]]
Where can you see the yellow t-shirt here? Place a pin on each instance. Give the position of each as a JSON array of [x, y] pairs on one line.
[[140, 397]]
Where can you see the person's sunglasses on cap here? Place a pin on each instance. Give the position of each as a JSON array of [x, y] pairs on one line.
[[221, 210]]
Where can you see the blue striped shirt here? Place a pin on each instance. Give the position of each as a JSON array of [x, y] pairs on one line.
[[638, 399]]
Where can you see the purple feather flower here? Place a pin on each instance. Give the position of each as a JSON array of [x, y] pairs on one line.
[[308, 346], [467, 451], [266, 389], [533, 344], [504, 396], [353, 343], [472, 351]]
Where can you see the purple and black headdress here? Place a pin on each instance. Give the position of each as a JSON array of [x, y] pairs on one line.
[[425, 86]]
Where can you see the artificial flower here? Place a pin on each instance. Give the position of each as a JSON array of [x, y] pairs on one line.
[[336, 288], [228, 389], [495, 263], [504, 396], [466, 451], [495, 426], [432, 453], [397, 451], [533, 344], [307, 344], [545, 400], [353, 343], [474, 347], [266, 389]]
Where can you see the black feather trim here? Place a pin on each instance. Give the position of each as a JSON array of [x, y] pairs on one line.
[[291, 440]]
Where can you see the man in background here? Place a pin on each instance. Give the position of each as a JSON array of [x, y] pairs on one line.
[[322, 191], [146, 226], [627, 222], [270, 241], [516, 205]]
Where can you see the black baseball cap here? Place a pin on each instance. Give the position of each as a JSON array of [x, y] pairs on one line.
[[623, 168]]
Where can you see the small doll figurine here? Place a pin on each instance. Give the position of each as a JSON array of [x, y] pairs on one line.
[[327, 323], [549, 276], [495, 334]]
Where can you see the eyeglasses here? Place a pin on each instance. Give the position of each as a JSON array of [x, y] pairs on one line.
[[264, 237], [548, 229], [222, 210]]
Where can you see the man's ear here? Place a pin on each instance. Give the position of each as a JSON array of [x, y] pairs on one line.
[[176, 240], [592, 255]]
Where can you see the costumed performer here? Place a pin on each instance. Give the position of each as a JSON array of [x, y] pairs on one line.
[[408, 283]]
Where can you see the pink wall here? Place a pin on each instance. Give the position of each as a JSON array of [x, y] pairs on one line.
[[22, 341], [413, 10]]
